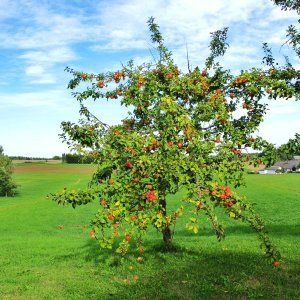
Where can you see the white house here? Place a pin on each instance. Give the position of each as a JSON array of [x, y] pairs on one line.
[[286, 165]]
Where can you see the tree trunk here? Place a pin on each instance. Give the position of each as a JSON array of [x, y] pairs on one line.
[[167, 233]]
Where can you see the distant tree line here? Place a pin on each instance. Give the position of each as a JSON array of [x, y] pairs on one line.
[[28, 158], [70, 158]]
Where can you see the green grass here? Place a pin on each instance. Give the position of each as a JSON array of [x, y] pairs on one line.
[[41, 261]]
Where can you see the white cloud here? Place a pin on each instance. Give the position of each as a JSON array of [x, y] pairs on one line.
[[45, 30], [52, 55], [118, 25], [279, 132], [8, 9], [38, 75], [278, 37], [190, 22], [50, 98], [34, 70], [40, 63], [277, 14], [282, 108], [44, 79], [281, 121]]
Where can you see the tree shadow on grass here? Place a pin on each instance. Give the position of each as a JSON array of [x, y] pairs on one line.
[[181, 273], [244, 229], [93, 252], [197, 272]]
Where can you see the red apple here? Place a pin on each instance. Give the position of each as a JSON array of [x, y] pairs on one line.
[[128, 164], [101, 84], [111, 217], [276, 263]]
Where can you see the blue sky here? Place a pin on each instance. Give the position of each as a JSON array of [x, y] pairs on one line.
[[40, 38]]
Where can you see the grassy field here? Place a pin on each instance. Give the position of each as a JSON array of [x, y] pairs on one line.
[[46, 251]]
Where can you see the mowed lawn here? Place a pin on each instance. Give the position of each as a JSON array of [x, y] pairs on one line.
[[47, 253]]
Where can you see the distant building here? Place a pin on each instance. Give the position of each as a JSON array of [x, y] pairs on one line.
[[286, 165]]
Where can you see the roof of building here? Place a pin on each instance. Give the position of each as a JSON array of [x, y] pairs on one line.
[[285, 164]]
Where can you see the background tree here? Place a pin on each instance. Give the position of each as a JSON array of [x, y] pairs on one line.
[[7, 185], [6, 162], [290, 149], [182, 133]]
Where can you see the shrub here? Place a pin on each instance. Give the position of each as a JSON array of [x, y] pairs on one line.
[[7, 185], [6, 164], [280, 171]]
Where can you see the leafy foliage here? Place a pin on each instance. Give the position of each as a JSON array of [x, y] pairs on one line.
[[183, 132], [291, 147], [293, 35], [7, 186], [6, 164], [288, 4]]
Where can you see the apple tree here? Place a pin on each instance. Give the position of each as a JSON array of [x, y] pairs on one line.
[[186, 131]]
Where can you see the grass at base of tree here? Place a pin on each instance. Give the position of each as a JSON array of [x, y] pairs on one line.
[[46, 251]]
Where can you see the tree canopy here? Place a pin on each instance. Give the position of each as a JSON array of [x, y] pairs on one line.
[[184, 131]]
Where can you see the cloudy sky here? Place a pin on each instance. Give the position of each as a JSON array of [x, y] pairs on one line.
[[39, 38]]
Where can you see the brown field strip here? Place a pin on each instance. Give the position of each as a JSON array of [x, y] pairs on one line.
[[54, 169]]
